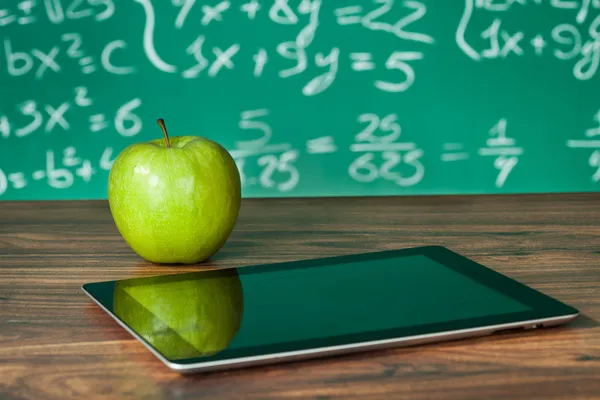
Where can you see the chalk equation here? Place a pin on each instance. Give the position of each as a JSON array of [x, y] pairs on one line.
[[30, 116], [382, 154], [366, 73], [378, 152], [272, 158], [499, 147], [59, 170], [40, 63], [578, 42], [590, 141], [377, 143], [199, 58], [27, 12]]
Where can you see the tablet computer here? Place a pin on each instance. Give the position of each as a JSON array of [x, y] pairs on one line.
[[226, 318]]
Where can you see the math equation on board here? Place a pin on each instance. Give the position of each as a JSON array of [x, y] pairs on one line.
[[368, 148]]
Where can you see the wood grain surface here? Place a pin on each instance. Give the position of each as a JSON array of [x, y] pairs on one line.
[[56, 344]]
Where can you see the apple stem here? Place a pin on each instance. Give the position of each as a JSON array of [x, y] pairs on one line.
[[161, 123]]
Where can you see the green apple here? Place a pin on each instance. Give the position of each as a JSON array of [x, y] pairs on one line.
[[175, 200], [183, 317]]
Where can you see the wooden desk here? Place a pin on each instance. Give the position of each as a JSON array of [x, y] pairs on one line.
[[55, 343]]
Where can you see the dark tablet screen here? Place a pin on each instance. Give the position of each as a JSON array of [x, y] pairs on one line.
[[213, 315]]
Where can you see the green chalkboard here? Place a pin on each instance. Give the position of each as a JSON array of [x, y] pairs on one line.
[[313, 98]]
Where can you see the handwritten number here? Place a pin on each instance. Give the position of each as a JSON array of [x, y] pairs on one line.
[[29, 108], [186, 6], [366, 135], [398, 61], [387, 124], [505, 165], [368, 21], [398, 29], [363, 170], [248, 121], [281, 13], [124, 114], [412, 158], [270, 163], [106, 161], [55, 11], [195, 49], [391, 160], [81, 98], [292, 51], [498, 133], [74, 50], [568, 35], [283, 164], [420, 11], [70, 158]]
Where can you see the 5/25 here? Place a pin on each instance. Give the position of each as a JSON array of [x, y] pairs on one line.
[[276, 159]]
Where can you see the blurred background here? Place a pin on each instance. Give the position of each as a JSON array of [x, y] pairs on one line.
[[312, 98]]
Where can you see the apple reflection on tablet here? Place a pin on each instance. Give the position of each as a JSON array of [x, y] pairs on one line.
[[183, 316]]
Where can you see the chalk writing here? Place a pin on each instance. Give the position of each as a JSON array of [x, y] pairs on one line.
[[42, 63], [373, 19], [383, 153], [210, 61], [385, 93], [276, 161], [60, 170], [28, 12], [504, 149], [32, 117], [567, 41], [590, 142]]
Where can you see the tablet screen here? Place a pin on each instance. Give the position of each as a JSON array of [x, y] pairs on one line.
[[352, 298], [213, 315]]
